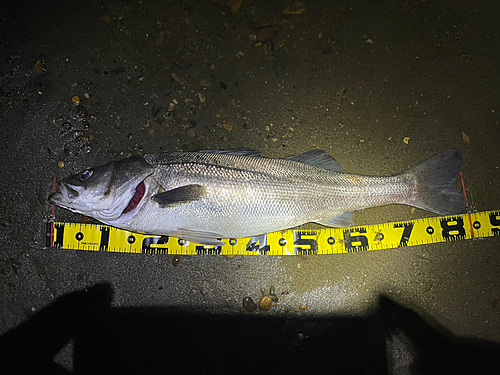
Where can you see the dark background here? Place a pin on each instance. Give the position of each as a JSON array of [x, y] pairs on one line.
[[352, 78]]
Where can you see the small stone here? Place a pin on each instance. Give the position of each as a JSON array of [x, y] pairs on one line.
[[87, 95], [176, 261], [235, 5], [249, 304], [205, 83], [76, 100], [259, 22], [272, 294], [265, 303], [201, 96], [228, 127], [191, 133], [60, 164], [39, 66], [265, 34], [296, 8]]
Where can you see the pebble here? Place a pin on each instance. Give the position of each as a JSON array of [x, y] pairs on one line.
[[76, 100], [265, 34], [201, 96], [297, 8], [249, 304], [265, 303], [205, 83], [272, 294], [176, 261], [39, 66], [60, 164], [87, 95]]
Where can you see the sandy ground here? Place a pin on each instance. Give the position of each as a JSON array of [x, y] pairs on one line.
[[352, 78]]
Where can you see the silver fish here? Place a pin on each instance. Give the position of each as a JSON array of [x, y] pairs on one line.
[[208, 195]]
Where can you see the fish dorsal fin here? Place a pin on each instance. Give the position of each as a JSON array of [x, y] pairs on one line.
[[183, 194], [235, 151], [319, 159]]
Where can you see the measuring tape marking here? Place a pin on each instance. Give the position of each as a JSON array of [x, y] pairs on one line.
[[96, 237]]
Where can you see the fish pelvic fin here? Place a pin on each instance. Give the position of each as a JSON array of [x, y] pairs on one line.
[[435, 189], [200, 237]]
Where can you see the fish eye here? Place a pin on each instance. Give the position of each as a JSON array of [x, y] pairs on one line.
[[86, 174]]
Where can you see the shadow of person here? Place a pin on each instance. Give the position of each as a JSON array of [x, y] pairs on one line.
[[150, 340]]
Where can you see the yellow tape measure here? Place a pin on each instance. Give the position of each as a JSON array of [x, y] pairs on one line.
[[92, 237]]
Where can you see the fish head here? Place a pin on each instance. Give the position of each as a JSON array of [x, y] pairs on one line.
[[105, 192]]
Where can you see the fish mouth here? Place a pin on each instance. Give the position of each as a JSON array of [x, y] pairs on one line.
[[55, 198], [66, 193], [140, 190]]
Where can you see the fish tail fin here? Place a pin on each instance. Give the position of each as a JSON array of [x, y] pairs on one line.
[[435, 189]]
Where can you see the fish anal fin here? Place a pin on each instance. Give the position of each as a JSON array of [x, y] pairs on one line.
[[183, 194], [343, 220]]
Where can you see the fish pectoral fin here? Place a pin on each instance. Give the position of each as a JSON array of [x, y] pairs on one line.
[[343, 220], [200, 237], [320, 159], [183, 194]]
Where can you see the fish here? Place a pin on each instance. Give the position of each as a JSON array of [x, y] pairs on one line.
[[206, 196]]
